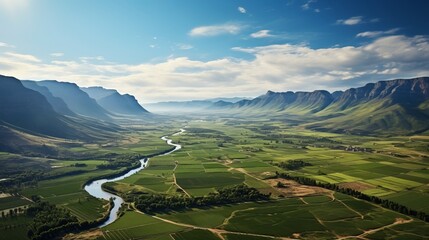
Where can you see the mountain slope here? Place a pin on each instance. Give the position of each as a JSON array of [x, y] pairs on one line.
[[287, 102], [27, 109], [310, 102], [406, 92], [220, 104], [400, 106], [57, 103], [396, 106], [77, 100], [114, 102], [98, 92]]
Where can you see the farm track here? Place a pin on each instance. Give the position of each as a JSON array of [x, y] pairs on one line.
[[175, 182], [351, 209], [226, 221], [217, 231], [368, 232], [220, 232], [242, 170]]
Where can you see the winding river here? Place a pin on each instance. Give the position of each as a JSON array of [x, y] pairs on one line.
[[94, 188]]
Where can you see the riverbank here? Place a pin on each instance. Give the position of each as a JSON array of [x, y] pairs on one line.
[[95, 189]]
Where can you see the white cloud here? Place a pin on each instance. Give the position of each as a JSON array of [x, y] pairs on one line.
[[88, 59], [279, 67], [3, 44], [57, 54], [214, 30], [261, 34], [306, 6], [373, 34], [183, 46], [351, 21], [242, 9], [22, 57]]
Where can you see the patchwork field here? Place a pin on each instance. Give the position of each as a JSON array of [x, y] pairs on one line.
[[227, 152], [317, 217], [216, 154]]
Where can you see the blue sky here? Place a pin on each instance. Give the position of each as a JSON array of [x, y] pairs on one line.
[[181, 50]]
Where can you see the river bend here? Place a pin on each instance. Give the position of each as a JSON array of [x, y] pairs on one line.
[[94, 188]]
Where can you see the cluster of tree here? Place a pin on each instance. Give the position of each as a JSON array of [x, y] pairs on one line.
[[209, 133], [79, 165], [31, 178], [21, 179], [382, 202], [293, 164], [13, 212], [351, 148], [252, 149], [46, 217], [203, 130], [162, 203], [121, 161], [51, 222], [62, 174], [113, 164]]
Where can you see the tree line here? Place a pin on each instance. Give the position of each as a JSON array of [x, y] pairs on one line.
[[51, 222], [152, 203], [293, 164], [382, 202]]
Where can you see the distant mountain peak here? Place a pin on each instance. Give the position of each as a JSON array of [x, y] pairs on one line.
[[76, 99], [114, 102]]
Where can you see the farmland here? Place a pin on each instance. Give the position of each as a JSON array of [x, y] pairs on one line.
[[227, 152], [310, 217], [220, 154]]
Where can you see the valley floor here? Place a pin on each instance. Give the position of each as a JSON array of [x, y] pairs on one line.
[[226, 152]]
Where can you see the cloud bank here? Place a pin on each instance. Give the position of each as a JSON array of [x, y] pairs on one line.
[[279, 67]]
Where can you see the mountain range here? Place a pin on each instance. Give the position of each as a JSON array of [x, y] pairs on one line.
[[115, 102], [400, 106], [65, 110], [46, 109], [189, 106]]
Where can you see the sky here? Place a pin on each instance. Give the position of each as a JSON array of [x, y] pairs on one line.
[[165, 50]]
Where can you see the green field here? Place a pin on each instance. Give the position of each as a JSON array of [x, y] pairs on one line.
[[226, 152], [138, 226], [12, 202]]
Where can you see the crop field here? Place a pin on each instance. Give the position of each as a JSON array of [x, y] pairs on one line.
[[63, 190], [12, 202], [310, 217], [14, 228], [88, 209], [221, 153], [66, 190], [139, 226], [227, 152], [195, 234]]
